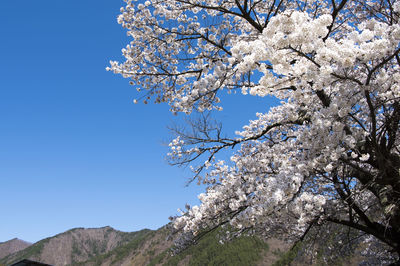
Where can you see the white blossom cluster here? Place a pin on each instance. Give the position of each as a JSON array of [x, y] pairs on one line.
[[335, 68], [265, 178]]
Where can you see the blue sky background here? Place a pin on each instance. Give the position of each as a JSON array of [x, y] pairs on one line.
[[74, 150]]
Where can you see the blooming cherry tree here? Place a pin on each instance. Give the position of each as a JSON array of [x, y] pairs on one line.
[[327, 155]]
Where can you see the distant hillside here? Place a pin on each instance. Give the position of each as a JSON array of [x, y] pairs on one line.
[[152, 248], [106, 246], [73, 246], [12, 246], [244, 250]]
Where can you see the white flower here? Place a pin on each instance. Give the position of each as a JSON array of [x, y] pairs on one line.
[[364, 157], [329, 167]]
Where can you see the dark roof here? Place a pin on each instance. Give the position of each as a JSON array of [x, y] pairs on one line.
[[29, 263]]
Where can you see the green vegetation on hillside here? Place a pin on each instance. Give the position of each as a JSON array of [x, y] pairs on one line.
[[285, 258], [98, 249], [244, 250], [121, 252]]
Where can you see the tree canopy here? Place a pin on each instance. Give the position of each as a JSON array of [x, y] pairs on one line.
[[327, 156]]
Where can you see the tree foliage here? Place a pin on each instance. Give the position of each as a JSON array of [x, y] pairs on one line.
[[328, 154]]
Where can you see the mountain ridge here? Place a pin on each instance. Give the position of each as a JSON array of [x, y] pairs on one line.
[[12, 246], [72, 246], [106, 246]]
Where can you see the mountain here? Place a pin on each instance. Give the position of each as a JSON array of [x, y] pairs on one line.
[[107, 246], [73, 246], [12, 246], [153, 249]]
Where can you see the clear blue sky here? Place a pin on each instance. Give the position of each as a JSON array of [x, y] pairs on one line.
[[74, 150]]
